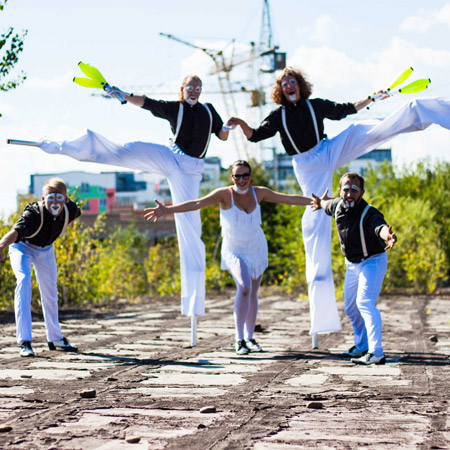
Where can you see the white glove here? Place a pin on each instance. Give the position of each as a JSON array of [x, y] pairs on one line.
[[115, 92], [226, 127]]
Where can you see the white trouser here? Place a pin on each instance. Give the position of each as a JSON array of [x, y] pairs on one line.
[[183, 173], [246, 301], [361, 289], [22, 256], [314, 171]]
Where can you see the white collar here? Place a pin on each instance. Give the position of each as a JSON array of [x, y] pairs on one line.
[[239, 191]]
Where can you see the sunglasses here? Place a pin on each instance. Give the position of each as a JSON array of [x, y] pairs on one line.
[[190, 88], [244, 176]]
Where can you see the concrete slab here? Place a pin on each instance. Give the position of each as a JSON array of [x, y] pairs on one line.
[[52, 374], [195, 379], [174, 392]]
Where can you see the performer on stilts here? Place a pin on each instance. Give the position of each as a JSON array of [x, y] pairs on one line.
[[315, 157], [181, 162], [244, 245]]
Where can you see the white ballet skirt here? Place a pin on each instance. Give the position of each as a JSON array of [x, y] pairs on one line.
[[243, 239]]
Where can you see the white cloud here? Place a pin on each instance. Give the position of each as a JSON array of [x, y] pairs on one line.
[[425, 19], [61, 81], [322, 29], [444, 14]]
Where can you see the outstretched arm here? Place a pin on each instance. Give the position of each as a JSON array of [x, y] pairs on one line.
[[217, 196], [388, 236], [321, 202], [267, 195], [360, 104], [8, 239], [248, 131], [137, 100]]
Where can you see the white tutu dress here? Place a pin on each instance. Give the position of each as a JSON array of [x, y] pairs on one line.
[[243, 239]]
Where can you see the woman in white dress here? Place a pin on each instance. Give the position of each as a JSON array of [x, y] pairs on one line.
[[244, 245]]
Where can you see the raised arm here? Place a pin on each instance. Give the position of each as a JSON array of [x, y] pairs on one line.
[[360, 104], [267, 195], [215, 197], [137, 100], [248, 131]]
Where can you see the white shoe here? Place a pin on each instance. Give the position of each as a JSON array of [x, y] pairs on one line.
[[25, 349], [253, 346], [369, 358]]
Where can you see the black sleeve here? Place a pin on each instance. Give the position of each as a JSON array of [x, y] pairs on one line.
[[74, 210], [217, 122], [160, 108], [330, 209], [28, 222], [332, 110], [375, 221], [268, 128]]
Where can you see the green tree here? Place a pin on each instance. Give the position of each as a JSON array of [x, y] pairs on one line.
[[11, 44]]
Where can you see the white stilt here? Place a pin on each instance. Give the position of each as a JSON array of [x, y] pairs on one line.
[[18, 142], [315, 340], [193, 331]]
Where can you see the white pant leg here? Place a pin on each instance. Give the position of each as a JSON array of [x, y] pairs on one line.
[[185, 186], [243, 281], [184, 175], [93, 147], [352, 275], [44, 264], [252, 314], [362, 137], [21, 257], [371, 277], [314, 174]]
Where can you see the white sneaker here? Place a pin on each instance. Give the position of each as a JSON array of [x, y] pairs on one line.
[[62, 344], [253, 346], [241, 348], [25, 349], [369, 358]]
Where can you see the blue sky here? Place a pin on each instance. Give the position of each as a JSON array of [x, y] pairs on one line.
[[348, 48]]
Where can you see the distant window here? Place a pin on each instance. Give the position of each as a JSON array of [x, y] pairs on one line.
[[84, 187], [103, 203], [87, 206]]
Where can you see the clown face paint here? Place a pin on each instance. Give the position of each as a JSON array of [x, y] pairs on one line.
[[54, 202], [191, 91], [290, 88], [351, 194]]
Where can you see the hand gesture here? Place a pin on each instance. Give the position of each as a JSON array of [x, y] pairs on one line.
[[229, 126], [316, 200], [153, 214], [391, 239]]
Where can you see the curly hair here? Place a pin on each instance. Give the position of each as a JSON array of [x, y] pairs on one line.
[[304, 85], [184, 83], [241, 163]]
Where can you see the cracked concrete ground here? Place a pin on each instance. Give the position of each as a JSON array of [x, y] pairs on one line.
[[137, 384]]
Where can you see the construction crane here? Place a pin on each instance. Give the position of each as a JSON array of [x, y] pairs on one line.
[[263, 59]]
